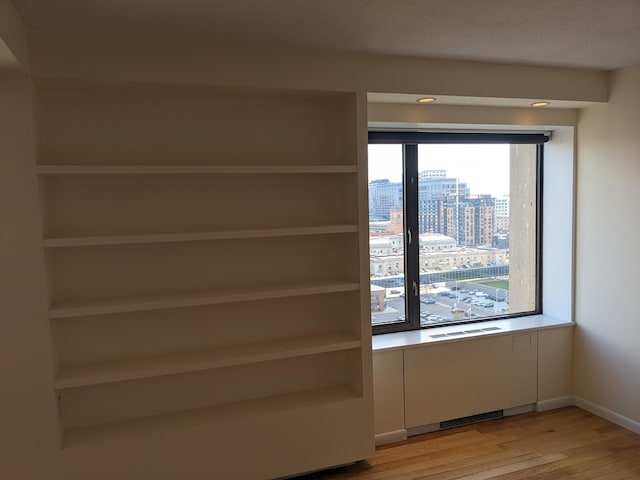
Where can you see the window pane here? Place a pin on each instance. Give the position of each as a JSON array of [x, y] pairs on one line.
[[386, 238], [477, 226]]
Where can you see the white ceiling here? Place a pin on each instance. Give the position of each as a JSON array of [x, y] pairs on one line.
[[581, 33]]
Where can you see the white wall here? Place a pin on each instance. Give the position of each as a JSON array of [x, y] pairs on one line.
[[29, 430], [27, 414], [607, 341], [200, 63]]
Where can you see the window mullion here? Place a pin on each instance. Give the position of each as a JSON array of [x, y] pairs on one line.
[[412, 239], [539, 234]]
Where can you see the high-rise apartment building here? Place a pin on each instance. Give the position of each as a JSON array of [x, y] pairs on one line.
[[433, 186], [501, 224], [468, 219]]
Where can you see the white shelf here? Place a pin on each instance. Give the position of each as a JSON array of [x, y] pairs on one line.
[[131, 369], [207, 415], [196, 236], [190, 169], [82, 308]]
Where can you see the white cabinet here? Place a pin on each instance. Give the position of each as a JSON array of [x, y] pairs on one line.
[[458, 379], [388, 394]]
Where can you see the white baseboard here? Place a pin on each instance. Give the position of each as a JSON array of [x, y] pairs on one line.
[[508, 412], [553, 403], [422, 429], [541, 406], [607, 414], [391, 437]]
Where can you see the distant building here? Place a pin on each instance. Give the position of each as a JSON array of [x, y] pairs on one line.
[[437, 252], [445, 206], [501, 223], [433, 187], [501, 240], [384, 196], [424, 174], [468, 219], [386, 245], [436, 242], [396, 221], [502, 206], [388, 265], [379, 227], [377, 298]]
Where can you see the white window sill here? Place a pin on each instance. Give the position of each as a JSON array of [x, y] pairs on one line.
[[457, 333]]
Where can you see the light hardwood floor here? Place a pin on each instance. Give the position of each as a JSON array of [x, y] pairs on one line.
[[560, 444]]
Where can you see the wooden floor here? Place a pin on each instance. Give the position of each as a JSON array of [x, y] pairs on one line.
[[559, 444]]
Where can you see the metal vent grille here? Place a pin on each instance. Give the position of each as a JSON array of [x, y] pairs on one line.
[[462, 332], [481, 417]]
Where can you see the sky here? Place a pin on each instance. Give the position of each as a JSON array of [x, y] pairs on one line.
[[485, 168]]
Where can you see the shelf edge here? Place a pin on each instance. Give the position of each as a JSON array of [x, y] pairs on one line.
[[105, 240], [79, 310], [48, 170], [320, 344], [79, 436]]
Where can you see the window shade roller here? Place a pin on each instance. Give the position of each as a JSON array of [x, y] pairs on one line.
[[386, 137]]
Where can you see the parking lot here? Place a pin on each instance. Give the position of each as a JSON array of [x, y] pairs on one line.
[[446, 303]]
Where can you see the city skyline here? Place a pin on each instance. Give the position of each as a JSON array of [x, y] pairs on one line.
[[468, 163]]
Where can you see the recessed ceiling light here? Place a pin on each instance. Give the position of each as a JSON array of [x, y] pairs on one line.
[[540, 104], [426, 100]]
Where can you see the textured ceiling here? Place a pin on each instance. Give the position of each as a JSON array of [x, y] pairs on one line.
[[582, 33]]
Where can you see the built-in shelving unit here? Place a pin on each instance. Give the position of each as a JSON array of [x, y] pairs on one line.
[[217, 288]]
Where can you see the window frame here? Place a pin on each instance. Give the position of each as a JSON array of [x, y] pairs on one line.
[[410, 141]]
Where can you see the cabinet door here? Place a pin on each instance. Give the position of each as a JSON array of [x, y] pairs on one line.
[[388, 392], [454, 380]]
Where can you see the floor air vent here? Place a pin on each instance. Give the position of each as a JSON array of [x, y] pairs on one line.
[[481, 417]]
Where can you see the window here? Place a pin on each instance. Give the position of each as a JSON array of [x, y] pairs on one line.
[[459, 217]]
